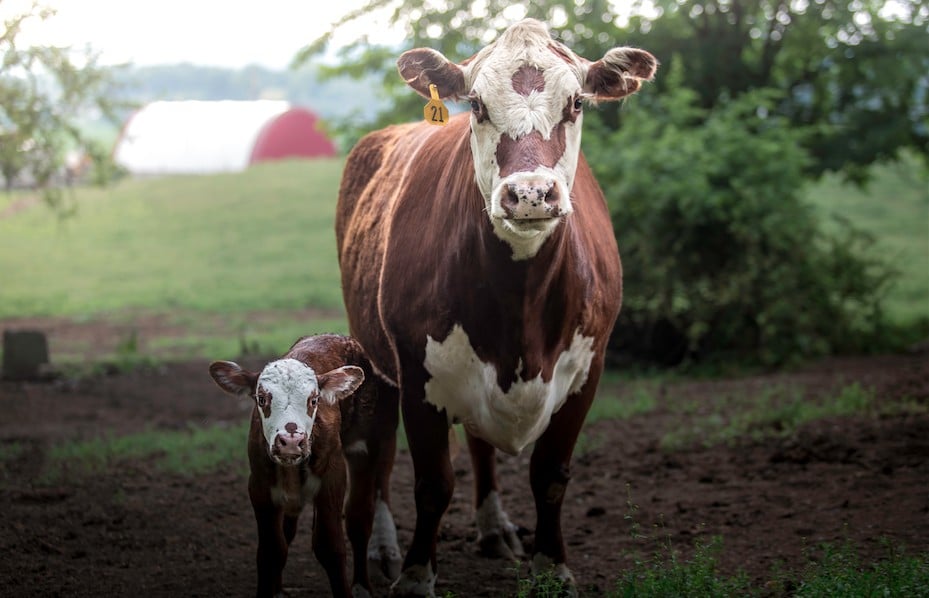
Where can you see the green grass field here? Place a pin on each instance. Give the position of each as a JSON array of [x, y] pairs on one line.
[[261, 239]]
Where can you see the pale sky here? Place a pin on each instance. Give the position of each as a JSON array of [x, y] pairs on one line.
[[227, 33]]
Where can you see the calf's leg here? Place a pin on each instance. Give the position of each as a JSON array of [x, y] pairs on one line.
[[272, 548], [328, 537]]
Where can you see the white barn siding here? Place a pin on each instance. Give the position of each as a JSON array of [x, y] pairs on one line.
[[193, 137]]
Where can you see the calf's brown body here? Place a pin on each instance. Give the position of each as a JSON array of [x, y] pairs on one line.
[[345, 432]]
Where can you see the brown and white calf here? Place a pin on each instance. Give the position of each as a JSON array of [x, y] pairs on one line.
[[315, 409], [481, 275]]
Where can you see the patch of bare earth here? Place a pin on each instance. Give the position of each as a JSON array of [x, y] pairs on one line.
[[134, 529]]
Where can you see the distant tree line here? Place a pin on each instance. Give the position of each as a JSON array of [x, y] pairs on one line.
[[703, 169]]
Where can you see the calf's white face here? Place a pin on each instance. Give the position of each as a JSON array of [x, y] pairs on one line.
[[527, 93], [287, 394]]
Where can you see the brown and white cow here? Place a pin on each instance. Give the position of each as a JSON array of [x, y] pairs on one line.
[[314, 412], [482, 277]]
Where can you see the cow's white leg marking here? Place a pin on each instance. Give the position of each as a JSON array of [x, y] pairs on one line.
[[542, 564], [383, 549], [418, 580], [496, 534], [466, 388]]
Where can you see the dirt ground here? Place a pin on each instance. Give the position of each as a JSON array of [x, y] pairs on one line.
[[135, 530]]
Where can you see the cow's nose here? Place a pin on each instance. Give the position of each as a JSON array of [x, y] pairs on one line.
[[290, 444], [531, 199]]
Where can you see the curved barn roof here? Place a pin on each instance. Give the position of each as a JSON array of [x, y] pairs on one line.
[[196, 137]]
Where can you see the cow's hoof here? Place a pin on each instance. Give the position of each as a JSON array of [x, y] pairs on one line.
[[417, 581], [504, 545], [387, 562]]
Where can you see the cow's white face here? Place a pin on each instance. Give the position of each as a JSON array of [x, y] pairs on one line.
[[287, 394], [527, 94]]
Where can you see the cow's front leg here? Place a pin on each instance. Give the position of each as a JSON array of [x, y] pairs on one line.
[[427, 435], [549, 473], [383, 549], [497, 537]]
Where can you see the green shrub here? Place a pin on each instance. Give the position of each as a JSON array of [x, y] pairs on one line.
[[721, 256]]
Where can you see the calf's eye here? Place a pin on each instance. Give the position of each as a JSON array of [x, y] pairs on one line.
[[578, 103]]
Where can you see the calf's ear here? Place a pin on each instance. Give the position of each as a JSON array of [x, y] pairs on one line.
[[229, 376], [619, 73], [423, 66], [339, 383]]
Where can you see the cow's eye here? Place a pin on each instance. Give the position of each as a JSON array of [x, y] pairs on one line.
[[475, 106], [578, 103]]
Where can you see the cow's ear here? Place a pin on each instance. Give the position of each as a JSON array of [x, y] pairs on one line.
[[229, 376], [339, 383], [619, 73], [423, 66]]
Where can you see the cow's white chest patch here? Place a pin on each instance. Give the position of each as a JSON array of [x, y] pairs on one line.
[[467, 389]]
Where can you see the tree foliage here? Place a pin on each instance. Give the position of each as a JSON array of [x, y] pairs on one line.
[[42, 92], [721, 257], [854, 72]]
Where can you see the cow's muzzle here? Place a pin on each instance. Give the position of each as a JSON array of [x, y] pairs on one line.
[[290, 448]]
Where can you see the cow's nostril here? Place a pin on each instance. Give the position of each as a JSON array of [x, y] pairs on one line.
[[510, 199], [552, 196]]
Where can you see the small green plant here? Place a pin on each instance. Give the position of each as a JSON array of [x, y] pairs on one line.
[[666, 574], [838, 571], [541, 585]]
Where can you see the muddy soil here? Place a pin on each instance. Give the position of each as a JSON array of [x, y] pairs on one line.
[[133, 529]]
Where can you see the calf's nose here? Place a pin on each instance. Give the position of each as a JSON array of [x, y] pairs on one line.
[[290, 443]]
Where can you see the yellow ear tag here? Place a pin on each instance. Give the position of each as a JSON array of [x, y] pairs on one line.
[[435, 112]]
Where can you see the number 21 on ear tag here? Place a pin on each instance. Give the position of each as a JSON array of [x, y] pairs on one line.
[[435, 112]]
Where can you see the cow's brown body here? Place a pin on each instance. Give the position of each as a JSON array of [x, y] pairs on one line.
[[463, 318]]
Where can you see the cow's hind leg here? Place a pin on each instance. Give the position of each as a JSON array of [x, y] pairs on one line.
[[497, 537], [549, 473], [359, 515], [383, 549]]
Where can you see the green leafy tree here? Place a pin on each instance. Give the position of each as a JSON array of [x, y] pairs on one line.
[[855, 73], [43, 90]]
